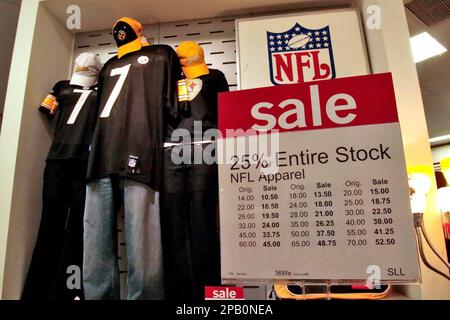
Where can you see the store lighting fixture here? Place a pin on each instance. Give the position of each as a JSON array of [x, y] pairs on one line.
[[445, 166], [443, 199], [425, 46], [420, 179], [439, 139]]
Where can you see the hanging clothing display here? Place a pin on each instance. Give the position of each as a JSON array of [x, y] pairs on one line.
[[190, 189], [55, 270], [138, 103], [142, 236]]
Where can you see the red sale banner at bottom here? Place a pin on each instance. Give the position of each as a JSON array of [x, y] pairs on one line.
[[224, 293]]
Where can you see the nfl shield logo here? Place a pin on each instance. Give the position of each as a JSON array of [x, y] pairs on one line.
[[300, 55]]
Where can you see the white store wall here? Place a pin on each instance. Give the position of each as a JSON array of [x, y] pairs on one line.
[[390, 51], [9, 13], [36, 65]]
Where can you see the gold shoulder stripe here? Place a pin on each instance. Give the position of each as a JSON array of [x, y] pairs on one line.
[[182, 91], [50, 103]]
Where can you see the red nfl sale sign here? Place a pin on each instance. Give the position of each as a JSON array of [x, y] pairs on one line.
[[327, 198], [312, 106]]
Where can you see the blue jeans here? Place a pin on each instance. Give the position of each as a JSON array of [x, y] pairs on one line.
[[104, 198]]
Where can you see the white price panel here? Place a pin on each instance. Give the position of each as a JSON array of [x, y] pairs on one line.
[[329, 199]]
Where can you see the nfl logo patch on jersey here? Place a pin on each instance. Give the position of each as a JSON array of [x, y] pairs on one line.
[[300, 55], [143, 59], [132, 161]]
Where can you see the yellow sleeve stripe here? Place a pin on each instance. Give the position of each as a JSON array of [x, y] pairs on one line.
[[50, 103], [182, 91]]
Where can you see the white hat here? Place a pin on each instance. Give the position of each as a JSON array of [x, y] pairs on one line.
[[86, 70]]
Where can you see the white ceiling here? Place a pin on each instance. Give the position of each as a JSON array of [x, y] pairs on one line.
[[434, 77], [152, 11]]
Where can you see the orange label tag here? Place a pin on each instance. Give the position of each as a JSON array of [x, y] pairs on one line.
[[50, 103], [182, 91]]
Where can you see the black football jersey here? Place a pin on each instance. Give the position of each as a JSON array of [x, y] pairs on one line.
[[203, 93], [137, 103], [75, 111]]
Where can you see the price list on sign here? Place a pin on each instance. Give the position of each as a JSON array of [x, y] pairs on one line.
[[324, 194]]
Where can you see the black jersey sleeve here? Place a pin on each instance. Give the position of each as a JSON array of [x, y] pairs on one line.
[[51, 102], [101, 79], [102, 75], [174, 107], [222, 83]]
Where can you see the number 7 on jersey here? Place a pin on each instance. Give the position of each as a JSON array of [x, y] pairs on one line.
[[80, 103], [123, 73]]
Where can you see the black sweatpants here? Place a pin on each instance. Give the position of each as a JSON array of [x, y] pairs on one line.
[[55, 270], [190, 228]]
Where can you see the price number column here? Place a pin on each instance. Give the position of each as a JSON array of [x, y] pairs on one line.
[[299, 216], [324, 215], [246, 217], [270, 217], [355, 214], [382, 218]]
